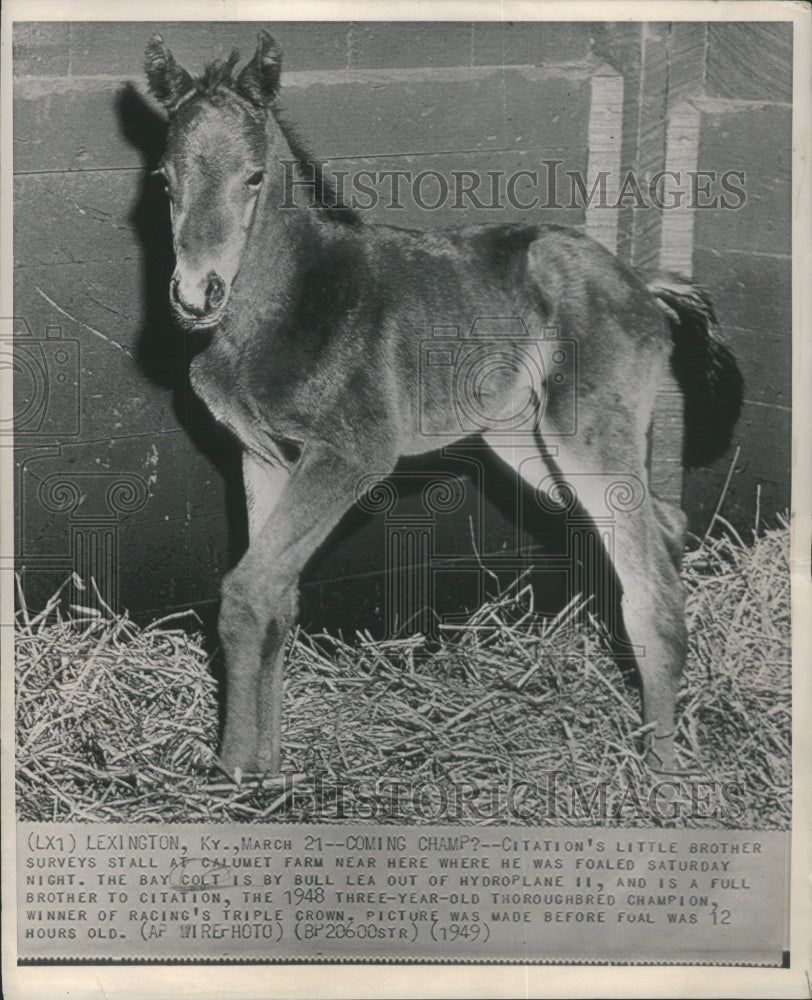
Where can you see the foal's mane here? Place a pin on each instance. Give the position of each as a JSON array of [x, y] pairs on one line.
[[325, 195], [220, 73]]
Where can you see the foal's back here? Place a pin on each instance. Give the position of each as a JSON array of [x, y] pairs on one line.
[[519, 291]]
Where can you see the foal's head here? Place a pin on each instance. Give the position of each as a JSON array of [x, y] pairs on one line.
[[221, 139]]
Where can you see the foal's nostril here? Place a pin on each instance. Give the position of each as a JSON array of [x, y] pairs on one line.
[[215, 291], [180, 303], [206, 301]]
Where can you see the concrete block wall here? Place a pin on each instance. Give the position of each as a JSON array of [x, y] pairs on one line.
[[745, 119], [714, 98], [128, 473]]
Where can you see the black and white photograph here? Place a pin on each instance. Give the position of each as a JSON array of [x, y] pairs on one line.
[[406, 518]]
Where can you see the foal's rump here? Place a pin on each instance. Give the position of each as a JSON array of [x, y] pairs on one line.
[[625, 328], [536, 328], [514, 322]]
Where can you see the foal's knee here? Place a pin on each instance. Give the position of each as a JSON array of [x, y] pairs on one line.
[[255, 610], [246, 605]]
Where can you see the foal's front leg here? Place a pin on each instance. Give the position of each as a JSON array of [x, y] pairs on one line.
[[259, 603], [264, 483]]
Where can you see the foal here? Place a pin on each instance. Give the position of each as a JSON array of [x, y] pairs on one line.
[[315, 325]]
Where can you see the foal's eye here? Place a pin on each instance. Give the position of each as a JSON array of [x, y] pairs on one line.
[[255, 179]]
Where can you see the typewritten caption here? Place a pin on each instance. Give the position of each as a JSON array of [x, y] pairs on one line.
[[323, 892]]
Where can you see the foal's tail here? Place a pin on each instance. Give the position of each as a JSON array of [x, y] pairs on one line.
[[703, 366]]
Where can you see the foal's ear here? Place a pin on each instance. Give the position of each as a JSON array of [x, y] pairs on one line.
[[259, 80], [167, 81]]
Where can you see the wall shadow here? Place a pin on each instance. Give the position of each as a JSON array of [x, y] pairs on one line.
[[164, 351]]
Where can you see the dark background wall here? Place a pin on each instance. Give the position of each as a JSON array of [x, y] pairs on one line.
[[122, 476]]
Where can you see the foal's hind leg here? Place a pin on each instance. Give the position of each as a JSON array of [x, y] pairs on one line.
[[645, 552]]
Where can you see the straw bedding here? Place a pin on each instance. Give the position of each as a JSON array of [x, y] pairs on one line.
[[510, 719]]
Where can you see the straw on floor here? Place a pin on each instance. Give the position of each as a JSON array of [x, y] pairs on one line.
[[510, 720]]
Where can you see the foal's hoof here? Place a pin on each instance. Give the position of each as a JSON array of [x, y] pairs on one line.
[[239, 773], [662, 761], [659, 754], [234, 773], [667, 769]]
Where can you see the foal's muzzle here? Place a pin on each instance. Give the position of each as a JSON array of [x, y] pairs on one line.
[[208, 310]]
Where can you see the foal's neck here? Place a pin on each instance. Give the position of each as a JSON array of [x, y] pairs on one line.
[[279, 244], [288, 237]]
